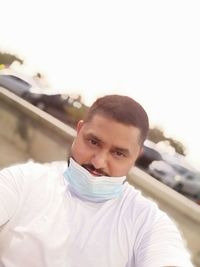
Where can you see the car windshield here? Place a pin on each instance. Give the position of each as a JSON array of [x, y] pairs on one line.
[[18, 80], [180, 169]]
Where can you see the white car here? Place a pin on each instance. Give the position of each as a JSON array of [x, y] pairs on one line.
[[165, 173], [177, 177], [190, 182]]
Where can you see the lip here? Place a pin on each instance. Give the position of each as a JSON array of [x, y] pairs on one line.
[[94, 173]]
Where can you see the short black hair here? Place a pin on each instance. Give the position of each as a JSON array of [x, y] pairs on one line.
[[123, 109]]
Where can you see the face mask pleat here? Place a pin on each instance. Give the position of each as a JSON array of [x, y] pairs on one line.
[[90, 187]]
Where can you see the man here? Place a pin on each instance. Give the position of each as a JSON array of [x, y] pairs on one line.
[[86, 214]]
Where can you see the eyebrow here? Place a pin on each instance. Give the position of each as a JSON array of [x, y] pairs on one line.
[[90, 135], [119, 149]]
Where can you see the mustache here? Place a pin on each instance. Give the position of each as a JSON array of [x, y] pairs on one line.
[[91, 168]]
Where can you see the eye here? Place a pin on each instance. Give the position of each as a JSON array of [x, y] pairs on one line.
[[118, 154], [93, 142]]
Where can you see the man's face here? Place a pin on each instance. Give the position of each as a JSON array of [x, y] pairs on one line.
[[106, 147]]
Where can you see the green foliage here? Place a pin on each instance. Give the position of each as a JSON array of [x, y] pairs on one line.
[[7, 59], [179, 147], [75, 112], [156, 135]]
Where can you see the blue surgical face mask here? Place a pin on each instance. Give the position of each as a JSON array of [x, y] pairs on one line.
[[92, 188]]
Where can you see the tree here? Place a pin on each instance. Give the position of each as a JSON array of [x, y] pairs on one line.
[[7, 59], [179, 147], [156, 135], [75, 112]]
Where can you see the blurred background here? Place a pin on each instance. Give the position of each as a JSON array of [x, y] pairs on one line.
[[59, 56]]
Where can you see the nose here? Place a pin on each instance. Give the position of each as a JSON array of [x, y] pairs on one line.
[[99, 160]]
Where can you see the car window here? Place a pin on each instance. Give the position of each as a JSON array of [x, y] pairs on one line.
[[180, 169], [14, 84], [161, 172], [18, 80]]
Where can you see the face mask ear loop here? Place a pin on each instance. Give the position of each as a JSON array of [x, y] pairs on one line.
[[68, 162], [125, 180]]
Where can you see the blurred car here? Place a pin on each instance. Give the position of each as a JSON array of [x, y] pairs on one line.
[[44, 98], [18, 83], [54, 104], [190, 183], [27, 88], [148, 155], [14, 84], [177, 177], [165, 173]]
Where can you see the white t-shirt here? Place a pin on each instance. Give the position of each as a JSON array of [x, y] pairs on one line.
[[44, 225]]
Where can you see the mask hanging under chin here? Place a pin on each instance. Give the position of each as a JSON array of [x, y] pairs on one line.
[[92, 188]]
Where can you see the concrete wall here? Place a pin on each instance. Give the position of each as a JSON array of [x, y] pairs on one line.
[[27, 132], [31, 131]]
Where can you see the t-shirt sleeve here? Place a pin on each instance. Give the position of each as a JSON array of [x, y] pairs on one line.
[[11, 187], [162, 245]]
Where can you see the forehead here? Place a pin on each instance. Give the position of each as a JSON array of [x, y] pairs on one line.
[[111, 132]]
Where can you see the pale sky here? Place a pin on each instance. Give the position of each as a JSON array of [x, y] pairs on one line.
[[149, 50]]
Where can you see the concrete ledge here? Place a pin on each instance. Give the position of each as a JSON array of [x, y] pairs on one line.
[[161, 192], [35, 113], [32, 130]]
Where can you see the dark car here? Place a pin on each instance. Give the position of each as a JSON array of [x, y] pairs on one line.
[[45, 100], [63, 107], [54, 104], [27, 88], [147, 156]]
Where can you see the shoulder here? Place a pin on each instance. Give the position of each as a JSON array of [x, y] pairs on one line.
[[156, 235], [29, 171]]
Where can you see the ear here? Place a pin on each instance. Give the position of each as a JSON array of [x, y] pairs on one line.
[[141, 151], [79, 125]]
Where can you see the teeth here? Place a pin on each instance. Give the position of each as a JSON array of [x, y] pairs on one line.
[[95, 173]]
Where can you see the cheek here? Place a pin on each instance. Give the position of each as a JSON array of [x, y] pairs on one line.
[[79, 151], [120, 169]]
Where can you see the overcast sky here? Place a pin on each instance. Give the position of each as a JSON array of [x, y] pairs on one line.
[[149, 50]]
